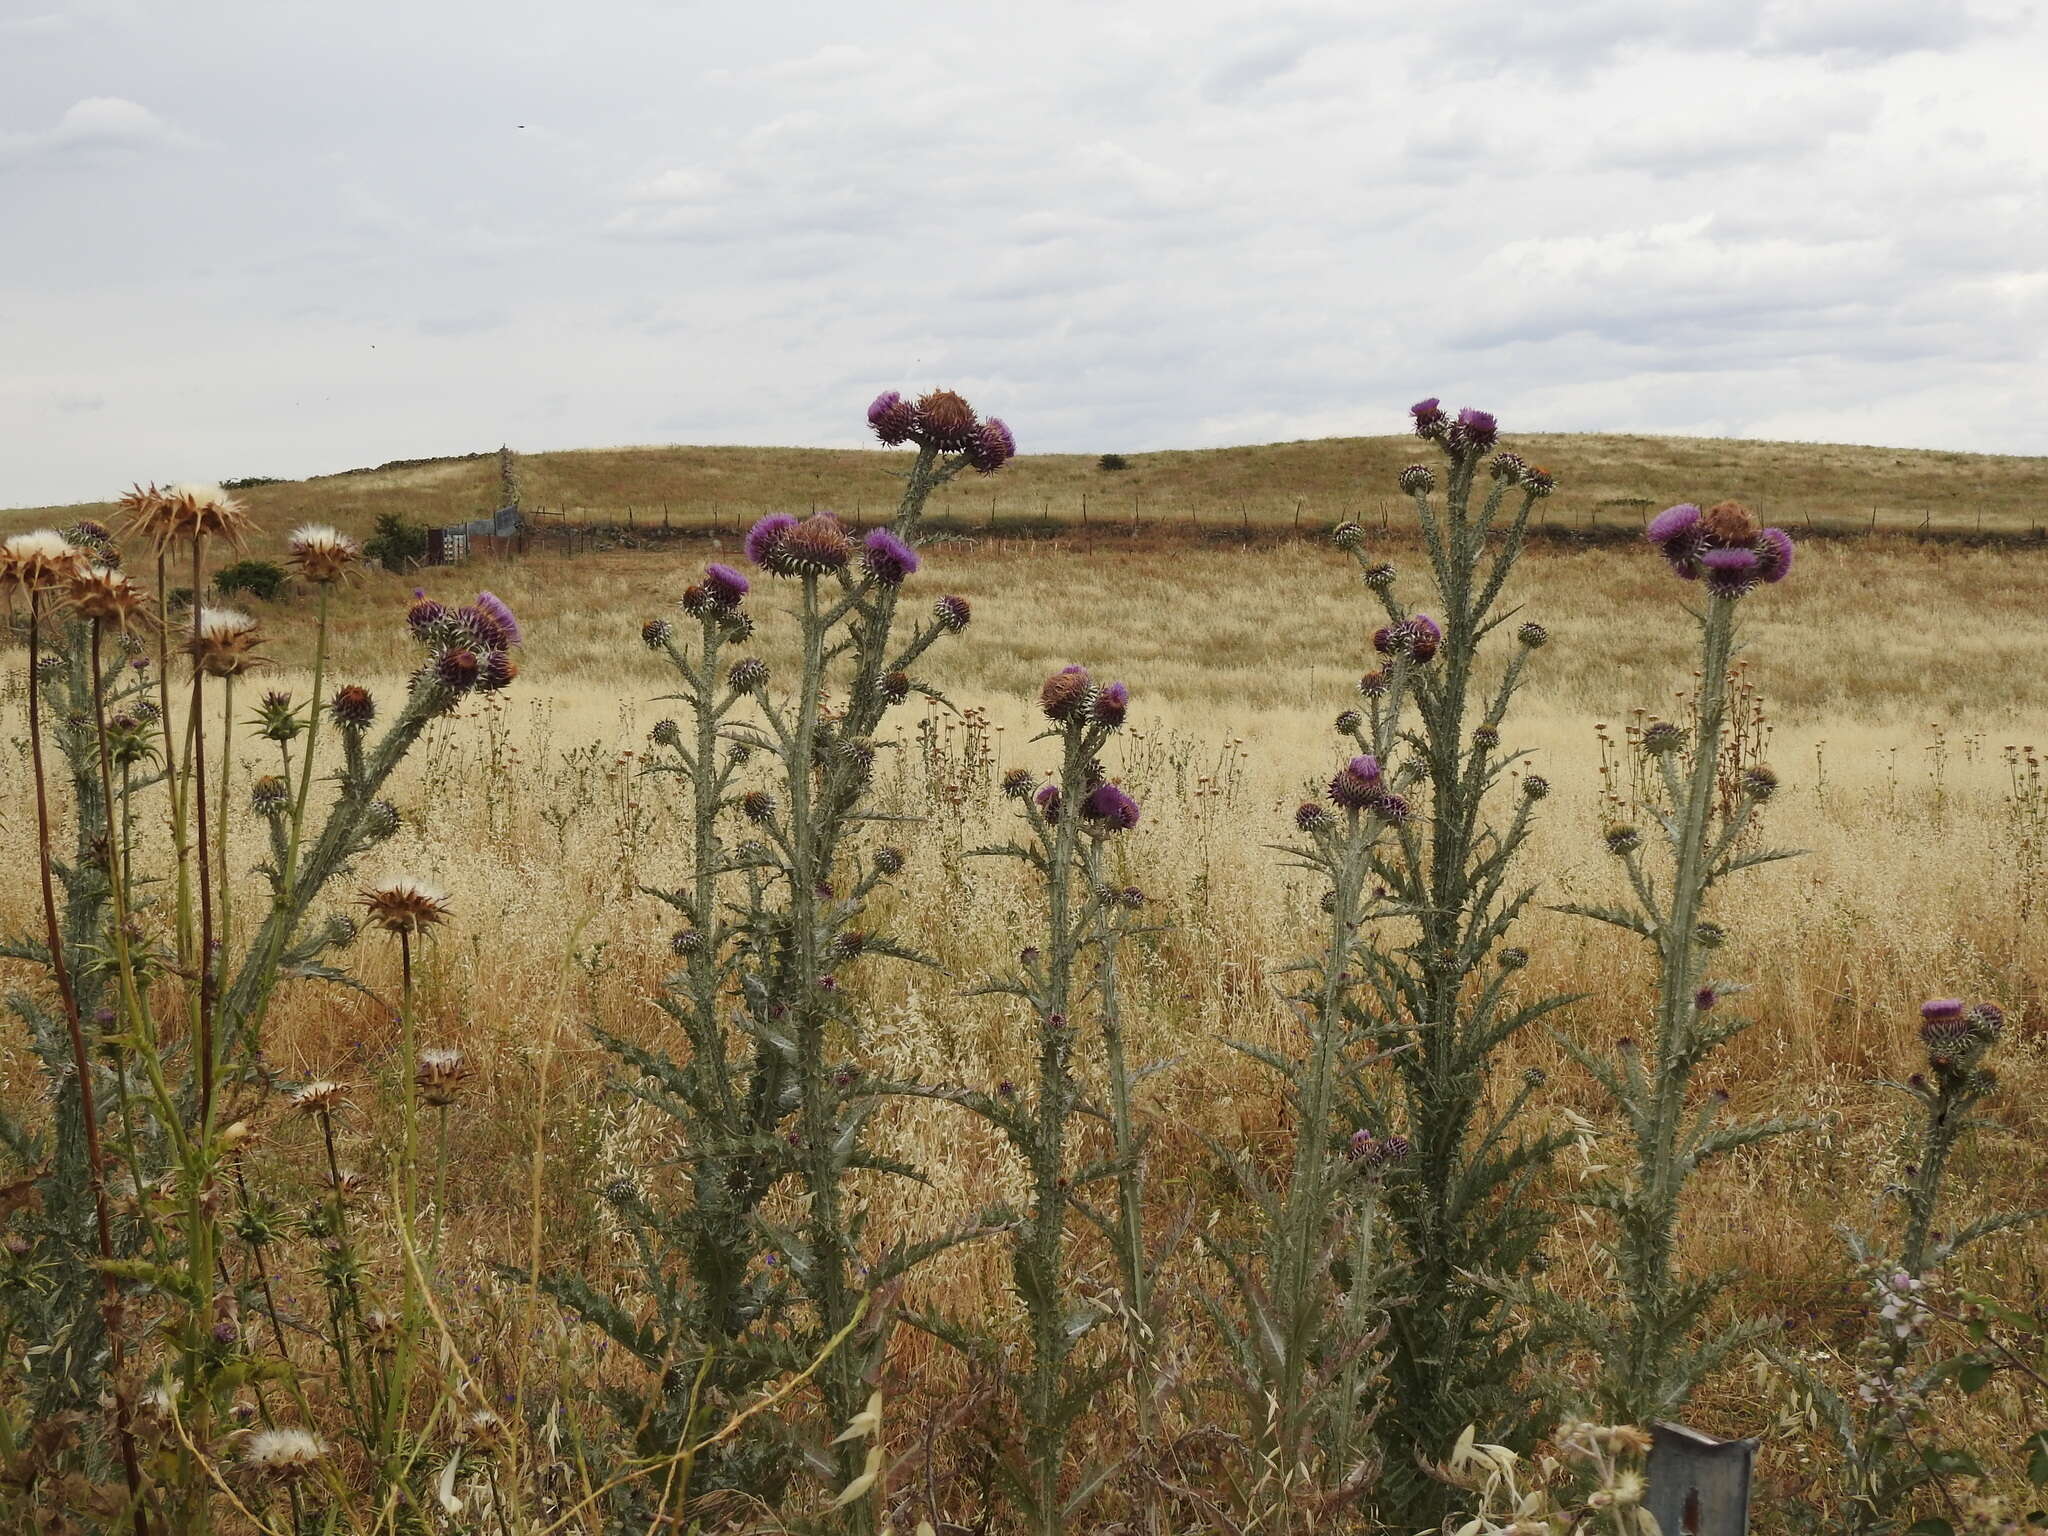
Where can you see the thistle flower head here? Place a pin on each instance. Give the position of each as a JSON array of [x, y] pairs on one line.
[[1048, 801], [1373, 684], [1108, 809], [993, 446], [1941, 1008], [1017, 783], [458, 668], [656, 633], [887, 558], [102, 595], [440, 1075], [283, 1455], [1662, 738], [1731, 572], [1774, 551], [42, 561], [1379, 575], [352, 707], [323, 554], [424, 614], [748, 675], [952, 613], [1508, 465], [320, 1097], [1418, 479], [1473, 431], [406, 904], [1535, 786], [1065, 694], [1760, 782], [892, 417], [503, 620], [1988, 1021], [944, 421], [186, 512], [1111, 704], [1348, 536], [223, 642], [1533, 635], [725, 585], [1429, 418], [1392, 809], [1724, 544], [890, 861], [1538, 481], [817, 546], [497, 672], [269, 795], [1311, 816], [765, 538], [1417, 638], [1358, 784]]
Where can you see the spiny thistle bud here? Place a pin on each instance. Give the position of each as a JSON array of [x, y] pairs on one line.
[[1535, 786], [1662, 738], [1430, 421], [892, 417], [1111, 705], [1513, 958], [352, 707], [1507, 466], [1394, 1149], [851, 943], [1048, 801], [685, 942], [1348, 721], [1731, 573], [1538, 481], [1392, 809], [1473, 432], [380, 820], [952, 614], [764, 541], [1533, 635], [1358, 783], [1418, 479], [666, 733], [858, 754], [1018, 782], [1622, 840], [1132, 898], [1709, 935], [499, 671], [1988, 1021], [993, 446], [276, 720], [1374, 684], [440, 1075], [725, 586], [1705, 999], [348, 1182], [1485, 736], [223, 642], [424, 614], [944, 421], [887, 558], [323, 554], [339, 932], [1760, 782], [405, 904], [269, 795], [656, 633], [757, 805], [457, 669], [1534, 1077], [1379, 576], [1312, 817], [890, 861], [895, 687], [1065, 694], [1348, 536], [749, 675], [1108, 809]]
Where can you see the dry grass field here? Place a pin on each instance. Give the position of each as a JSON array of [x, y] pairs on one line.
[[1895, 685]]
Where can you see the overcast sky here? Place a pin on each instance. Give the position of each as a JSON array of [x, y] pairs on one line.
[[279, 237]]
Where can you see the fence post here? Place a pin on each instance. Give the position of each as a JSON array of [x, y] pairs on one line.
[[1699, 1486]]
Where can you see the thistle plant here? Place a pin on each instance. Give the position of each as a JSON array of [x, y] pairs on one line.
[[1435, 973], [772, 1092], [1927, 1335], [1649, 1355], [1068, 981]]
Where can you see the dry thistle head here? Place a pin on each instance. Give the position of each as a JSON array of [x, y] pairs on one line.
[[323, 554], [1731, 522], [198, 512], [223, 642], [945, 421], [319, 1097], [381, 1331], [348, 1183], [42, 561], [106, 596], [440, 1076], [283, 1455], [404, 904]]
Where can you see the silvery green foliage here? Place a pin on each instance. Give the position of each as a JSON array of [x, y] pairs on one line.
[[1436, 992], [1649, 1345], [770, 1093], [1068, 981], [1926, 1336]]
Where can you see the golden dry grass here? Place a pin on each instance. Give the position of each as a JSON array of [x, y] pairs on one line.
[[1895, 678]]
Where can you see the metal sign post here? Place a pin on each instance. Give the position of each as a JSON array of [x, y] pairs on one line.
[[1699, 1486]]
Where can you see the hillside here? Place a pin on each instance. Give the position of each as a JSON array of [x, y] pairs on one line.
[[1605, 479]]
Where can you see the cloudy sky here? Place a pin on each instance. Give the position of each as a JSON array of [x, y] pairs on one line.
[[282, 237]]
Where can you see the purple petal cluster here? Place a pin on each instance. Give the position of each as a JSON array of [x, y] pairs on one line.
[[887, 558], [1724, 546], [892, 417], [1111, 705], [724, 585], [1473, 432], [1109, 809], [1358, 784], [494, 607], [994, 446], [765, 538], [1430, 420], [1418, 638]]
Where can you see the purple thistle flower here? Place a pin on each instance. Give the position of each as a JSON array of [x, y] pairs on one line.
[[1048, 800], [993, 446], [765, 538], [1429, 417], [1112, 704], [888, 558], [424, 613], [1358, 783], [892, 417], [1110, 808], [458, 668], [1474, 431], [493, 605], [1673, 523], [1942, 1008], [482, 627], [1731, 572], [497, 673], [726, 585], [1774, 549], [1423, 637]]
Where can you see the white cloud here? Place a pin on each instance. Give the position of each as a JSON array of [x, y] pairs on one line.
[[96, 123]]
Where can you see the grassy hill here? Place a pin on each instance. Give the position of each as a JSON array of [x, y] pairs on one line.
[[1606, 479]]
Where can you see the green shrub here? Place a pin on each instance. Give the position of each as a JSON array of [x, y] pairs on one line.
[[396, 541], [257, 578], [1112, 461]]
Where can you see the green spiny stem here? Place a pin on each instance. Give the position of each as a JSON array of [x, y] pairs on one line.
[[81, 1059], [208, 961]]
